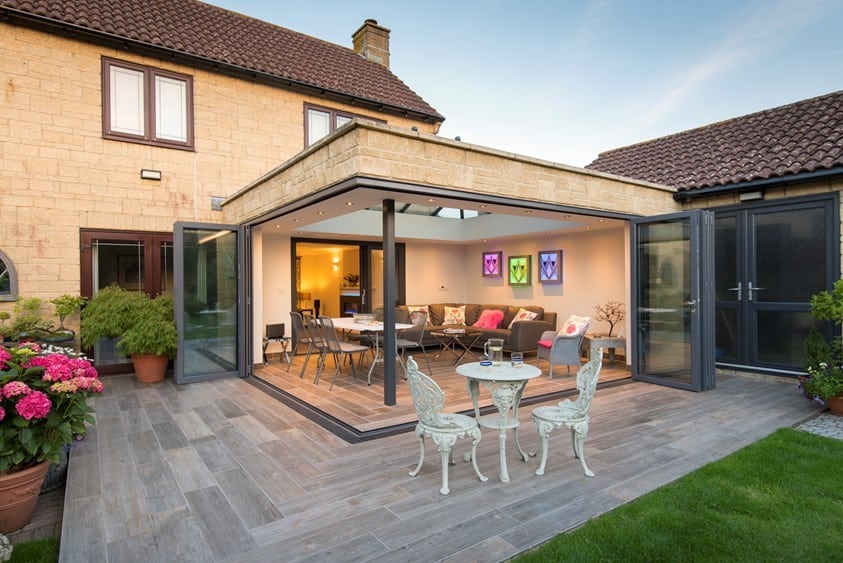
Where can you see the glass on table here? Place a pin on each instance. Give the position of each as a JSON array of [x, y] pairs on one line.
[[517, 359]]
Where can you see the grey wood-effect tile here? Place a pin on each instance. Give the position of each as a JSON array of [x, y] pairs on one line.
[[179, 537], [214, 454], [274, 481], [362, 548], [228, 408], [84, 481], [141, 547], [123, 500], [192, 426], [85, 539], [170, 435], [236, 442], [145, 446], [223, 531], [160, 488], [135, 420], [254, 430], [490, 550], [189, 470], [248, 499]]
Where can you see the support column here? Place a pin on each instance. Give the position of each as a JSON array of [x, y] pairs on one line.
[[390, 292]]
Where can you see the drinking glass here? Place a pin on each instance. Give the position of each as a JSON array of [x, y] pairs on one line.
[[517, 359]]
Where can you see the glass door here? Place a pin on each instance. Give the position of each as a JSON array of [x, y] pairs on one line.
[[673, 304], [209, 293]]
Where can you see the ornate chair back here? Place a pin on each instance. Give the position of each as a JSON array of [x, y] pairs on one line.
[[428, 397], [587, 377]]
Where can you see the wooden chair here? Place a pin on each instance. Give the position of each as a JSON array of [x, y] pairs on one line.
[[338, 348], [444, 429], [571, 414]]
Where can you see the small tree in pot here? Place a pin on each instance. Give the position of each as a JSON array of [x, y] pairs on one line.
[[145, 328]]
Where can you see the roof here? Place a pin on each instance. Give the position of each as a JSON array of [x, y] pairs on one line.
[[204, 32], [784, 142]]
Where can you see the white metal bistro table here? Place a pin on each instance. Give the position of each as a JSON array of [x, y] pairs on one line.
[[506, 384], [376, 327]]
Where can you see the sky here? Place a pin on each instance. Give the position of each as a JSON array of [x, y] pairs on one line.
[[565, 80]]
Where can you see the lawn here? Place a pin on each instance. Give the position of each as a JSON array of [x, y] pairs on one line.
[[779, 499]]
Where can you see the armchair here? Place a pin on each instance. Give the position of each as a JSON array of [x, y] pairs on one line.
[[561, 349]]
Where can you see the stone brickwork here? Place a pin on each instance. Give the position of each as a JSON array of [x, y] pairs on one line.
[[57, 173], [390, 153]]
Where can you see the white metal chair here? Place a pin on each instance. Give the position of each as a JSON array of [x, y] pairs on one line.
[[443, 428], [571, 414], [338, 348], [560, 349]]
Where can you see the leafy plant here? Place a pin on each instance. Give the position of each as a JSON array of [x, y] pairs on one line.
[[153, 328], [28, 321], [824, 362], [42, 404], [826, 381], [66, 306]]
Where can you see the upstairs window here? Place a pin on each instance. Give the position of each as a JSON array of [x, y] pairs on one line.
[[320, 122], [146, 105], [8, 279]]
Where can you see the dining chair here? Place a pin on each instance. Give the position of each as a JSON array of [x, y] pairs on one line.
[[407, 340], [300, 338], [443, 428], [571, 414], [339, 349]]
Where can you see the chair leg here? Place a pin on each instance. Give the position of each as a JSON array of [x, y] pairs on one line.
[[306, 360], [292, 355], [475, 440], [579, 441], [543, 436], [415, 471]]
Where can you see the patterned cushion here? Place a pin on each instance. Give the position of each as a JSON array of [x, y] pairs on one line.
[[546, 343], [454, 315], [417, 312], [523, 315], [575, 326], [490, 318]]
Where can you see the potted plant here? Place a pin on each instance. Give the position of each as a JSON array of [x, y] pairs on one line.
[[151, 339], [66, 306], [826, 384], [825, 363], [43, 409], [141, 325], [28, 324]]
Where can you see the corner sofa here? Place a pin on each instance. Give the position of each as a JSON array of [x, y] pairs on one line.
[[522, 337]]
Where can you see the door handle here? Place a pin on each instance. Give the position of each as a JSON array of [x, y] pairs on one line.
[[362, 297], [692, 304], [738, 289], [750, 289]]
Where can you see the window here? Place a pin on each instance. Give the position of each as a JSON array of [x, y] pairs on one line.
[[146, 105], [320, 122], [8, 279]]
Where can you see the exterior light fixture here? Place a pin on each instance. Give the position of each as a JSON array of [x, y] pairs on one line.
[[751, 196], [147, 174]]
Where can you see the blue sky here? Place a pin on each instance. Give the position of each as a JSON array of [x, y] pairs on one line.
[[563, 80]]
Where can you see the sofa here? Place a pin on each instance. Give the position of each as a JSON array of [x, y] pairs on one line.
[[522, 337]]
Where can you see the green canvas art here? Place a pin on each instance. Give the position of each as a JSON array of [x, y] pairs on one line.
[[519, 270]]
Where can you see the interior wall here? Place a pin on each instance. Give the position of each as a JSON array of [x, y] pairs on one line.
[[272, 304], [595, 269]]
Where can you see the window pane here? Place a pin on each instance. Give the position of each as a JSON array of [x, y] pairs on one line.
[[318, 125], [170, 109], [5, 280], [342, 120], [127, 112], [790, 250]]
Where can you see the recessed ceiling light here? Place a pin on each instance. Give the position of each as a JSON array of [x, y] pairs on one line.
[[296, 220], [349, 203], [430, 200], [320, 212], [528, 211], [277, 226], [602, 220], [483, 206]]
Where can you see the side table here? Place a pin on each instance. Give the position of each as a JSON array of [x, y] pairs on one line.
[[594, 342]]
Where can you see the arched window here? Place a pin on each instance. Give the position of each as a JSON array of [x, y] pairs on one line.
[[8, 279]]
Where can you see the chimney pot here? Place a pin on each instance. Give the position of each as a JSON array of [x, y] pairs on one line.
[[372, 41]]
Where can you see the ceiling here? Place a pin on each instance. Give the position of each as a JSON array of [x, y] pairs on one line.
[[348, 215]]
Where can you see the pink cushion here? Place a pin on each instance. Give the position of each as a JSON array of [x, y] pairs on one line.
[[546, 343], [490, 318]]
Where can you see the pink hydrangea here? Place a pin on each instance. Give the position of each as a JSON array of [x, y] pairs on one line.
[[2, 413], [76, 384], [34, 405], [81, 367], [16, 388], [4, 356]]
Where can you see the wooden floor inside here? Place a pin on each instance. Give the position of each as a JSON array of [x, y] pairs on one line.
[[361, 406]]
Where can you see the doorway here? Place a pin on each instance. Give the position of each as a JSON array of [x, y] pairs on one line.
[[770, 259], [133, 260]]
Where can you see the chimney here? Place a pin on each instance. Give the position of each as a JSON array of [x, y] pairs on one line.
[[372, 41]]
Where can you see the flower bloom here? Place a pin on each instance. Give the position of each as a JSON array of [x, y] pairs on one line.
[[58, 367], [77, 384], [4, 356], [2, 413], [34, 405], [15, 388]]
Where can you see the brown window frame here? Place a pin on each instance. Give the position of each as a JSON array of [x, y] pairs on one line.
[[334, 113], [149, 136]]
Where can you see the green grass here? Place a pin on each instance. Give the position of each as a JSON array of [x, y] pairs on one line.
[[38, 551], [779, 499]]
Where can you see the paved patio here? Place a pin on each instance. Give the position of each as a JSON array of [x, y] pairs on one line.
[[219, 471]]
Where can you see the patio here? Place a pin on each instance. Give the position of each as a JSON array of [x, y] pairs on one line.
[[220, 471]]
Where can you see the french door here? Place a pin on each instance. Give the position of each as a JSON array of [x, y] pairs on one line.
[[770, 259], [133, 260], [211, 318], [672, 301]]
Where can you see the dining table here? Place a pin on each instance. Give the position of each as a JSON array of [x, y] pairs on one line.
[[506, 383], [375, 328]]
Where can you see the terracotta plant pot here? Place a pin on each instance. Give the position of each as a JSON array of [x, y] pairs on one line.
[[18, 495], [150, 369], [835, 405]]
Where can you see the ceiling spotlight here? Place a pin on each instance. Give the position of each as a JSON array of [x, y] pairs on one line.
[[320, 212], [349, 203], [414, 128], [296, 220], [483, 206]]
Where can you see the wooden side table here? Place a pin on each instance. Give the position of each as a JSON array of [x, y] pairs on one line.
[[606, 342]]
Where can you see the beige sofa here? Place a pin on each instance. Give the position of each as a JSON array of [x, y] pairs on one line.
[[522, 337]]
